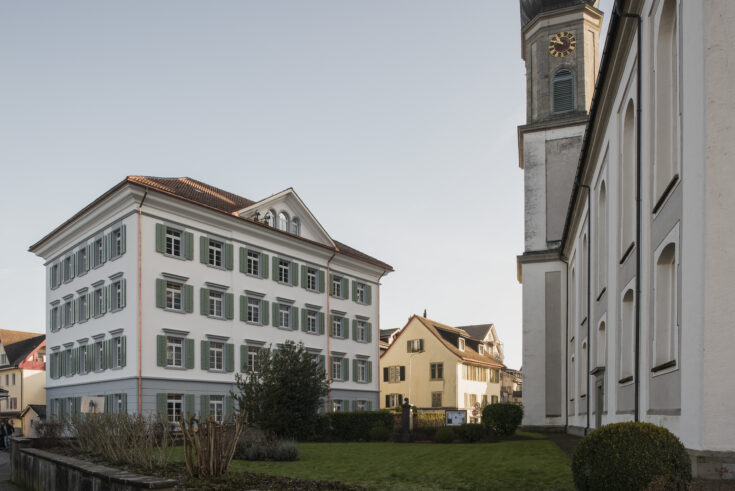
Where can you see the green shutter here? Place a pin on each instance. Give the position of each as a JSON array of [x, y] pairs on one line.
[[161, 342], [123, 293], [203, 250], [369, 371], [203, 407], [229, 306], [369, 332], [105, 298], [295, 318], [122, 240], [90, 260], [189, 348], [188, 245], [354, 406], [354, 370], [230, 357], [323, 364], [124, 402], [275, 315], [162, 404], [303, 276], [354, 291], [331, 283], [275, 263], [264, 265], [294, 271], [110, 353], [243, 260], [90, 358], [304, 323], [368, 294], [321, 322], [160, 294], [123, 350], [345, 327], [188, 298], [243, 308], [321, 281], [229, 406], [204, 301], [189, 404], [160, 238], [205, 355], [264, 311], [243, 357], [354, 329], [345, 288], [345, 369], [228, 257]]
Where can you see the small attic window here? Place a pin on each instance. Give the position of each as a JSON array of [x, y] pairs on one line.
[[481, 349], [295, 226], [283, 221], [460, 344]]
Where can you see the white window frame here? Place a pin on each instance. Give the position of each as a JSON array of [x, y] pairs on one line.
[[284, 271], [311, 321], [174, 292], [361, 292], [216, 306], [284, 315], [337, 327], [253, 353], [174, 242], [83, 353], [217, 407], [67, 313], [174, 407], [216, 253], [461, 344], [117, 352], [68, 268], [361, 330], [174, 346], [254, 310], [83, 313], [98, 301], [362, 371], [216, 356], [336, 287], [99, 353], [117, 301], [116, 246], [336, 369], [312, 282], [98, 252], [253, 267]]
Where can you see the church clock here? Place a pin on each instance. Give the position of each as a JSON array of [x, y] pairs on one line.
[[562, 44]]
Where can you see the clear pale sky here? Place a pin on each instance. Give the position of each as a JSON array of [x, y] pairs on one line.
[[395, 121]]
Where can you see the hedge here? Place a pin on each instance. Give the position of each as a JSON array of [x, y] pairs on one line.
[[352, 426]]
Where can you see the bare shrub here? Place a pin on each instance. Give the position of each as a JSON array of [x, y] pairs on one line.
[[135, 440], [208, 445], [50, 433], [255, 444]]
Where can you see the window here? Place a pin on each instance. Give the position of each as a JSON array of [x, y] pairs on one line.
[[415, 346], [117, 242], [173, 296], [98, 301], [311, 322], [284, 315], [393, 400], [174, 352], [361, 294], [82, 261], [460, 344], [283, 221], [583, 372], [98, 251], [13, 403], [118, 352], [470, 400], [117, 294], [563, 91], [436, 399], [394, 374], [494, 375], [583, 304], [665, 332], [174, 407], [602, 236], [311, 279], [338, 372], [666, 111], [3, 359], [601, 345], [253, 358], [339, 286], [437, 371], [361, 331], [362, 405], [480, 349], [628, 184], [475, 373], [83, 359], [253, 266], [55, 275], [254, 310], [217, 408], [83, 308], [174, 246], [68, 268], [216, 356], [99, 356], [493, 399], [55, 317], [337, 405], [625, 338], [283, 271], [338, 327], [362, 370], [68, 313], [295, 226], [215, 303], [67, 365]]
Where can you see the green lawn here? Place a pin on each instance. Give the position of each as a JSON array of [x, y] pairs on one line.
[[520, 464]]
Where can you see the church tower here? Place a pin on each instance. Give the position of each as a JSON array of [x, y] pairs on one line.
[[560, 45]]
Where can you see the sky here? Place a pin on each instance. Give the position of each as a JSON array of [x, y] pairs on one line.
[[395, 121]]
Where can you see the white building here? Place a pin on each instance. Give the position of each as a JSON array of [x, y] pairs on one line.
[[162, 288], [627, 272]]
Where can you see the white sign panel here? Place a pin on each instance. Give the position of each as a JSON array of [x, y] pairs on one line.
[[456, 418], [93, 404]]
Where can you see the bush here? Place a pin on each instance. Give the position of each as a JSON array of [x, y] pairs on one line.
[[630, 456], [356, 426], [502, 417], [444, 435], [471, 432], [379, 433], [255, 444]]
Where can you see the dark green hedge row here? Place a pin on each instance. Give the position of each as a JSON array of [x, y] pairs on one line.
[[352, 427]]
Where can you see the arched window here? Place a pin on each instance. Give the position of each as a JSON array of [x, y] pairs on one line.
[[602, 238], [270, 218], [283, 221], [665, 161], [295, 226], [665, 322], [573, 297], [625, 339], [601, 354], [627, 184], [563, 91], [583, 369], [583, 281], [572, 371]]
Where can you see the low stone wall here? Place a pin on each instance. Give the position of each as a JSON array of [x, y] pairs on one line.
[[39, 470]]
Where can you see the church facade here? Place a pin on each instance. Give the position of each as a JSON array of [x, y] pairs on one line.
[[627, 264]]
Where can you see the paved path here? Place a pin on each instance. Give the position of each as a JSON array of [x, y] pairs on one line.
[[567, 443], [5, 484]]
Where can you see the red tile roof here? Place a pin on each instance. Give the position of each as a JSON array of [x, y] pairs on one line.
[[203, 194]]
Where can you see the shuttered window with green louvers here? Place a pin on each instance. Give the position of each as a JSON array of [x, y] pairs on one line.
[[174, 296], [174, 242]]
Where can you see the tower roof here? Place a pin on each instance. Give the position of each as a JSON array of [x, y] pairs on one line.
[[531, 8]]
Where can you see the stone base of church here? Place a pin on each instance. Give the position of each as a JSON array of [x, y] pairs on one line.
[[543, 428], [707, 464]]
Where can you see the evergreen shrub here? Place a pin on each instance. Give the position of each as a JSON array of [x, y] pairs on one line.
[[502, 417], [624, 456], [444, 435], [471, 432], [379, 433], [356, 426]]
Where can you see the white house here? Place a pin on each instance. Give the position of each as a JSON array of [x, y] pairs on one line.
[[627, 269], [162, 288]]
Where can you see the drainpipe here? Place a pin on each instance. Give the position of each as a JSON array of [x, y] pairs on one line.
[[566, 350], [328, 329], [140, 303], [377, 337], [589, 309], [638, 210]]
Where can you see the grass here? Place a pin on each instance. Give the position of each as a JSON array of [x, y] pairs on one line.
[[519, 464]]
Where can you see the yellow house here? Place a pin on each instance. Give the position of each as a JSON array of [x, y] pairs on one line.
[[439, 367], [22, 374]]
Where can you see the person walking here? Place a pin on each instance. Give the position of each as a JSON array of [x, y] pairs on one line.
[[3, 433], [9, 430]]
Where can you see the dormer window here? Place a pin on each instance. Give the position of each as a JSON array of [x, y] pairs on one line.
[[295, 226], [460, 344], [283, 221], [481, 349]]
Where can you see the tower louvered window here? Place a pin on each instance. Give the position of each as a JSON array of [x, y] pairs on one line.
[[563, 87]]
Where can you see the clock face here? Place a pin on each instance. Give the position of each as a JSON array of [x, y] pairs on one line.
[[562, 44]]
